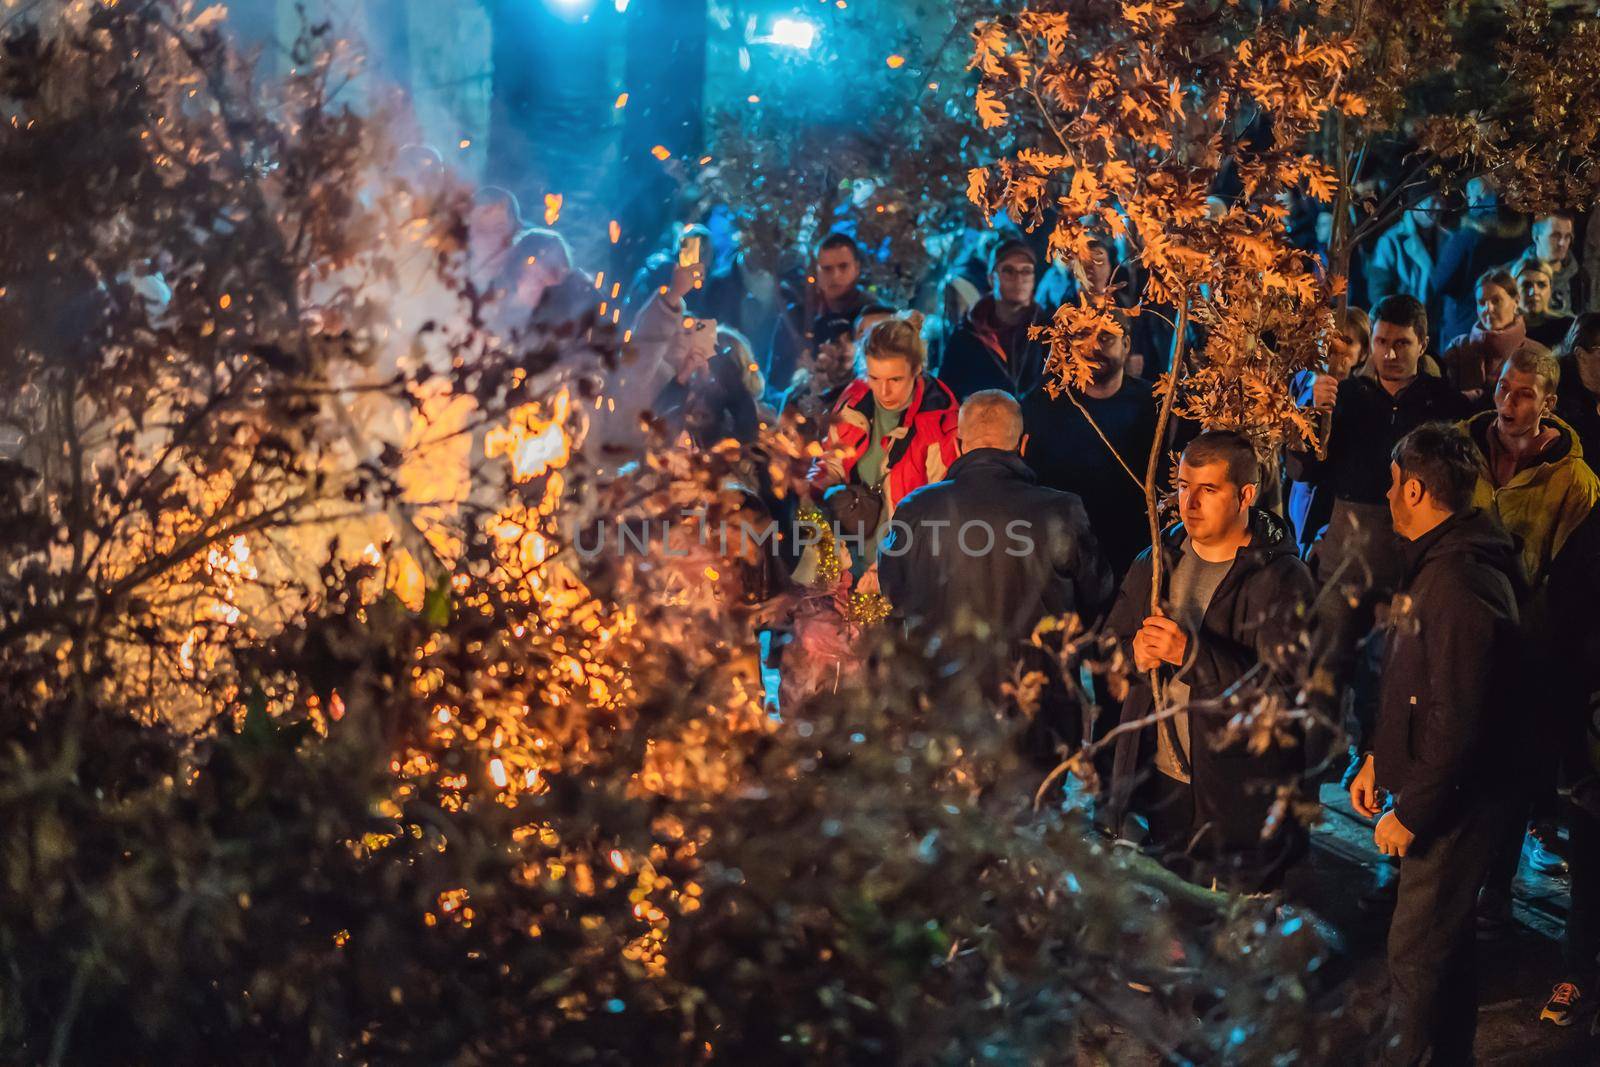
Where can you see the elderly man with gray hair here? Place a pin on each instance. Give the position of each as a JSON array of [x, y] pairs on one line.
[[979, 558]]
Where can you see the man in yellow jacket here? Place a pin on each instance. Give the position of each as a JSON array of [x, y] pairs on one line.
[[1532, 476], [1531, 471]]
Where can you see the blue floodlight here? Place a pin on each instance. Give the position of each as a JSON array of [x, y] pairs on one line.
[[571, 8], [794, 33]]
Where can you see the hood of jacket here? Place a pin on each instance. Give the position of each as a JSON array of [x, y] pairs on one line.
[[984, 321], [1473, 534], [1567, 448]]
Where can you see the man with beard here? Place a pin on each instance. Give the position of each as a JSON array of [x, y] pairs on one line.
[[1067, 454]]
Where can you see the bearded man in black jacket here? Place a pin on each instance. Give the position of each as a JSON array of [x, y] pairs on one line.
[[1448, 691], [1235, 605]]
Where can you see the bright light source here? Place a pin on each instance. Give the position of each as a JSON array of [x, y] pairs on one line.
[[571, 7], [794, 33]]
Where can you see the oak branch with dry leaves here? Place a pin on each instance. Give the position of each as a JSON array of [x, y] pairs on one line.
[[1143, 107]]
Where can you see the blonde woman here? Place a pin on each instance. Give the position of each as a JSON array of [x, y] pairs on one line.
[[892, 431]]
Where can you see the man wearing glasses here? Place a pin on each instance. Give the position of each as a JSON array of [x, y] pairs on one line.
[[991, 349]]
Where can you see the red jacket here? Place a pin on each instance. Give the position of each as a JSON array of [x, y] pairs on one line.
[[920, 449]]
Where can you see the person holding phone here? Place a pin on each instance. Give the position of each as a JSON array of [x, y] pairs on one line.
[[690, 246]]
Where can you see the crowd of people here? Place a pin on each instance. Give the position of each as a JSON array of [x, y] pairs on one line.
[[1419, 580]]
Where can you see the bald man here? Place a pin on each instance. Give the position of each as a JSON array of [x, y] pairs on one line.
[[988, 552]]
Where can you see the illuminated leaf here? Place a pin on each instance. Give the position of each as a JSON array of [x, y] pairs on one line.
[[991, 112], [978, 185]]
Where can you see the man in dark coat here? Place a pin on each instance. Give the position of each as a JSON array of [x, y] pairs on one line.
[[1234, 605], [1574, 652], [979, 558], [992, 349], [988, 549], [1359, 550], [1066, 451], [1441, 747]]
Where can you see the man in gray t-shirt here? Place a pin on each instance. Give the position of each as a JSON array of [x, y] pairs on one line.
[[1193, 581], [1232, 608]]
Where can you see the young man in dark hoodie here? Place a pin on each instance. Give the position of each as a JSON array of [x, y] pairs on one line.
[[1449, 689], [992, 349], [1235, 603]]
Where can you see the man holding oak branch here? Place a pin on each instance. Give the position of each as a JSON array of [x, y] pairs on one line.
[[1447, 691], [1235, 606]]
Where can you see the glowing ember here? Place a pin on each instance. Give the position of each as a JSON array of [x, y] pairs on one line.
[[534, 443]]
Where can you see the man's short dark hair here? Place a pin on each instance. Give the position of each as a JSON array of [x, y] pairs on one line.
[[1443, 458], [1230, 447], [867, 312], [1402, 310], [840, 240]]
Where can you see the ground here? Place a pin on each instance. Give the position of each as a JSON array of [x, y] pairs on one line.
[[1515, 972]]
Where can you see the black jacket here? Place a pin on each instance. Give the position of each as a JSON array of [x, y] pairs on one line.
[[1256, 616], [1574, 659], [1579, 408], [1367, 424], [988, 547], [1067, 454], [983, 354], [1454, 654]]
